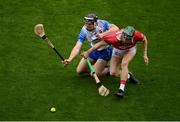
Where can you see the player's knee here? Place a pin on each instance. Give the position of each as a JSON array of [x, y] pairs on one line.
[[112, 73], [98, 72], [78, 70], [124, 64]]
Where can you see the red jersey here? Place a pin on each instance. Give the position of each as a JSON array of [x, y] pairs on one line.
[[114, 39]]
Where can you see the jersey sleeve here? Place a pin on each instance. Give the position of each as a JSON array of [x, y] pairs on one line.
[[82, 36], [106, 24], [111, 38], [139, 36]]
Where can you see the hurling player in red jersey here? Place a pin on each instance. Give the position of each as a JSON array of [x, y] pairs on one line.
[[124, 43]]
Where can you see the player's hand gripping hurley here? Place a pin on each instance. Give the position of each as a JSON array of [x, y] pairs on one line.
[[39, 31], [103, 91]]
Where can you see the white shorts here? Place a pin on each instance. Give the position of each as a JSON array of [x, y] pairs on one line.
[[120, 53]]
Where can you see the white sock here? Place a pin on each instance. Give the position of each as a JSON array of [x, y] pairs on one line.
[[122, 86]]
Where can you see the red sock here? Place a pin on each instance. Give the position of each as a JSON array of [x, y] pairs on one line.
[[123, 82]]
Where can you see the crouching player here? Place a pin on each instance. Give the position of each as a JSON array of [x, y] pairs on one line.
[[124, 43], [99, 57]]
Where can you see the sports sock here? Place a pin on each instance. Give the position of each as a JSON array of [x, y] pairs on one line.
[[122, 84]]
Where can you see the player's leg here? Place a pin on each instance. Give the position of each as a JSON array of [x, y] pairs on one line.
[[131, 77], [99, 67], [129, 55], [115, 66], [83, 67], [115, 62], [124, 65], [104, 57]]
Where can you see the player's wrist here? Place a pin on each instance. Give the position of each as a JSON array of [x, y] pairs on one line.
[[145, 53], [69, 60]]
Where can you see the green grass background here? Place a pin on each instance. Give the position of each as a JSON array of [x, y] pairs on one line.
[[32, 79]]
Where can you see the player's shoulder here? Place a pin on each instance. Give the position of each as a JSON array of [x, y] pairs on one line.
[[137, 32], [102, 21], [83, 30], [138, 35]]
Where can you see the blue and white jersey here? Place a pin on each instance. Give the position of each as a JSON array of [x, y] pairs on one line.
[[102, 26]]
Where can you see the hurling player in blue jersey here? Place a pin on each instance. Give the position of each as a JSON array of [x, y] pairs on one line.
[[100, 57]]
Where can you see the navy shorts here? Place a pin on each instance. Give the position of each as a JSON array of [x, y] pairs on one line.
[[103, 54]]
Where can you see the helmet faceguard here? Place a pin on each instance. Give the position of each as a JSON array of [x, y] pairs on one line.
[[127, 33], [90, 18]]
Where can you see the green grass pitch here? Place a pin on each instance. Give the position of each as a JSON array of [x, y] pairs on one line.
[[32, 78]]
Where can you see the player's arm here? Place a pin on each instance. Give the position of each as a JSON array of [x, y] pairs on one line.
[[75, 51], [145, 45], [95, 47], [112, 28], [108, 27]]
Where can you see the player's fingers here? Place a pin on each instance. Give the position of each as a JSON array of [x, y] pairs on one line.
[[98, 36], [146, 61], [65, 62], [84, 55]]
